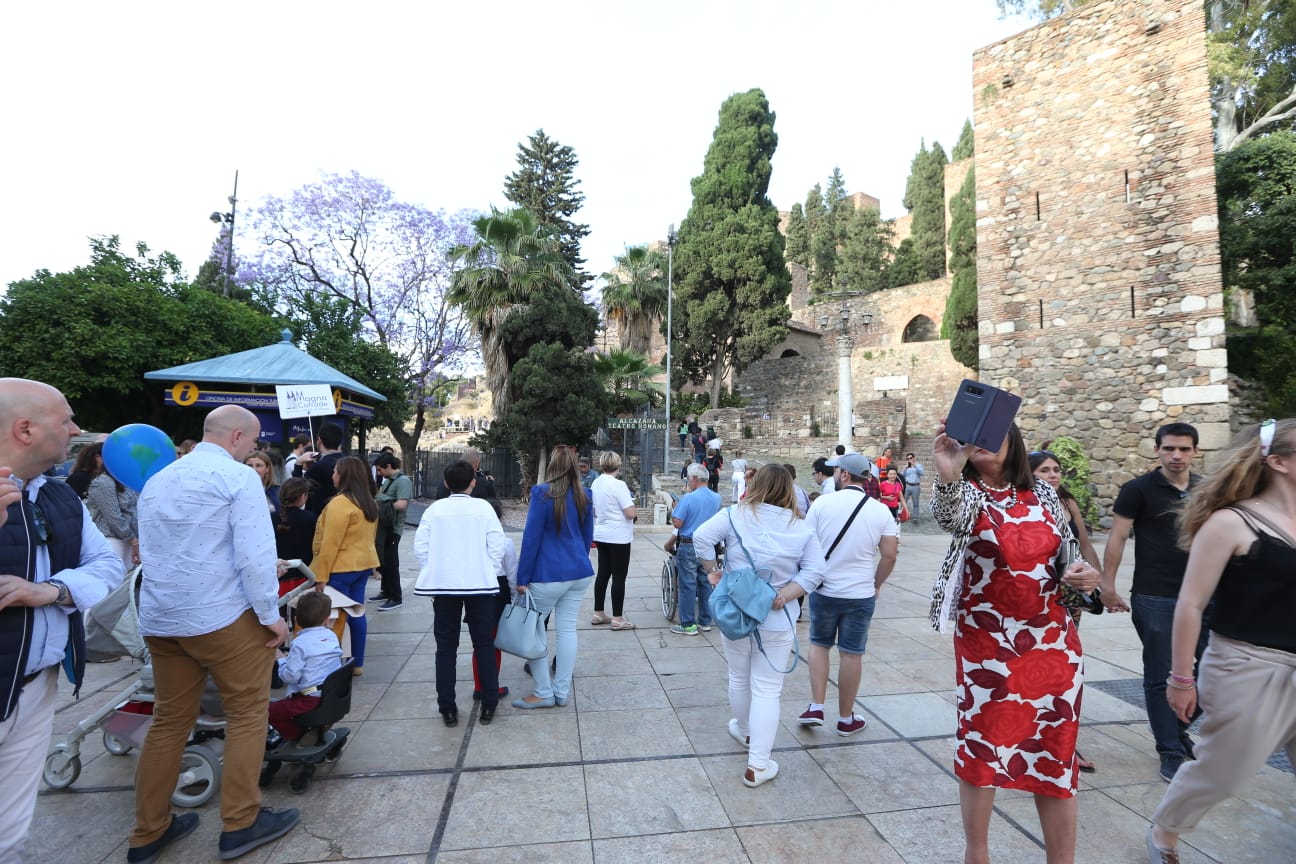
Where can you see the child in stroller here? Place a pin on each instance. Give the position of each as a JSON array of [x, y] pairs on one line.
[[315, 654]]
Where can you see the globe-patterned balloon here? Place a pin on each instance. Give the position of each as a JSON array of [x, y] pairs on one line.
[[135, 452]]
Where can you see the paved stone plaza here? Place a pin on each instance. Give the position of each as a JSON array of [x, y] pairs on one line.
[[639, 766]]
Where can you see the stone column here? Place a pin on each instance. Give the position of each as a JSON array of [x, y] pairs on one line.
[[845, 401]]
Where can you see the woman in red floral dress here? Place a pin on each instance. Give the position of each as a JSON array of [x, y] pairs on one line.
[[1017, 651]]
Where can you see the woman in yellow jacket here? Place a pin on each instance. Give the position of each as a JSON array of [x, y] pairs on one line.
[[344, 551]]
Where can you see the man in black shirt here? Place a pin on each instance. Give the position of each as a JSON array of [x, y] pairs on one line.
[[318, 467], [1150, 505], [483, 488]]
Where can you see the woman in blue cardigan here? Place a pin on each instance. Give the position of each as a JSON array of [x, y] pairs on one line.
[[554, 567]]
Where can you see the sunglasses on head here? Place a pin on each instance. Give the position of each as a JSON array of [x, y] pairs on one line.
[[1266, 436]]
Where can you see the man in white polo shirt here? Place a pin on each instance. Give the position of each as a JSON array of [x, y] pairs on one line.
[[858, 535]]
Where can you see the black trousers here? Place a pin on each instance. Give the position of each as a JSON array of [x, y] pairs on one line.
[[613, 565], [448, 613], [389, 565]]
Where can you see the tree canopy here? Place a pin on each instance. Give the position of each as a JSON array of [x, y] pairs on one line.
[[959, 324], [635, 295], [545, 183], [733, 283], [348, 238], [94, 331], [925, 199]]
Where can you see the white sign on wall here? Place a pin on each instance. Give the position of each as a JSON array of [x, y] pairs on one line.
[[305, 400], [891, 382]]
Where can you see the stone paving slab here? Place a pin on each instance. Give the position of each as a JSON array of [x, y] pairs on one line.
[[639, 766]]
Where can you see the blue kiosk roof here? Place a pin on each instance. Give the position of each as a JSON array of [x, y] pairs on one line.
[[281, 363]]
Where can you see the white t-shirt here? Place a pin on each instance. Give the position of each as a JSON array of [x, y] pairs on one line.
[[611, 496], [739, 468], [828, 486], [849, 573]]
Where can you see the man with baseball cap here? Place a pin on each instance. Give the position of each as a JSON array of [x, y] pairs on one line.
[[858, 535]]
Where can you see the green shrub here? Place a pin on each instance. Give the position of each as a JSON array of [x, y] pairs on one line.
[[1076, 474]]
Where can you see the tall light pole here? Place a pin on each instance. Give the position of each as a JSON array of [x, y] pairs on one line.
[[228, 219], [670, 276], [845, 345]]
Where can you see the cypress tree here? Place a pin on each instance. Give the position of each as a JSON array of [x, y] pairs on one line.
[[966, 146], [798, 237], [866, 243], [732, 282], [925, 198], [960, 322]]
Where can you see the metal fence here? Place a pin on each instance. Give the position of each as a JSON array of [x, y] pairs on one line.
[[502, 464]]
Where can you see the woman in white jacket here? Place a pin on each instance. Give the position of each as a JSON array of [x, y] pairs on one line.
[[785, 549]]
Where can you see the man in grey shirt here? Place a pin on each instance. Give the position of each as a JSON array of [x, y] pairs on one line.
[[208, 605], [911, 473]]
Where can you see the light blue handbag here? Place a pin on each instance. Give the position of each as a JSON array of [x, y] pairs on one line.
[[742, 600]]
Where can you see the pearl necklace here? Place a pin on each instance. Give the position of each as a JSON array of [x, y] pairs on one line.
[[1002, 505]]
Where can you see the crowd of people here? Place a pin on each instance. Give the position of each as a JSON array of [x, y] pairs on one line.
[[1211, 599]]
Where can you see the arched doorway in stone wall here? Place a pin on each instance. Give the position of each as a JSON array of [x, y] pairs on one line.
[[920, 329], [789, 352]]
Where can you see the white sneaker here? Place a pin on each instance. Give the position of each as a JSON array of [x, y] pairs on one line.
[[753, 778], [734, 733]]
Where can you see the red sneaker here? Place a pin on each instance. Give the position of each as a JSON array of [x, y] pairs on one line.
[[811, 717], [850, 727]]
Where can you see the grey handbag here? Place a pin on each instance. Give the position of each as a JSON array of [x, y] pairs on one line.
[[521, 630]]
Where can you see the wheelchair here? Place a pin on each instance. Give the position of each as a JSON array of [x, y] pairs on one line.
[[669, 588], [320, 741]]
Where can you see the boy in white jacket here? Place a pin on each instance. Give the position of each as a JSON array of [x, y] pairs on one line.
[[460, 547]]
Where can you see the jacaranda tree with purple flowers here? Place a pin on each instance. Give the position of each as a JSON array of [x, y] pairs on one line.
[[348, 238]]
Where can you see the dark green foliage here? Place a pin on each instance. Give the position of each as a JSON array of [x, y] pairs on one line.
[[904, 268], [925, 199], [329, 328], [798, 237], [816, 212], [558, 399], [966, 146], [1076, 474], [827, 238], [960, 322], [545, 183], [865, 247], [94, 331], [1256, 188], [732, 282]]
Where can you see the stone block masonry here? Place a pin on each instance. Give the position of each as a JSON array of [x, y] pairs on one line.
[[1098, 272]]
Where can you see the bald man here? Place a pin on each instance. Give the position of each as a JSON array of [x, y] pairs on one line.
[[208, 605], [54, 565]]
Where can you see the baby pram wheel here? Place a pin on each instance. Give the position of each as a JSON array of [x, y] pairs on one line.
[[61, 769], [199, 780], [116, 746]]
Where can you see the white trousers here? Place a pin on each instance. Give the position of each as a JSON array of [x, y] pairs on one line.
[[24, 740], [755, 687]]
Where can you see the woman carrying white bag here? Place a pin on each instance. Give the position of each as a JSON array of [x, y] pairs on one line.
[[766, 526]]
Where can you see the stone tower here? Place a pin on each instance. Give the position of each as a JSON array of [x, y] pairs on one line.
[[1097, 247]]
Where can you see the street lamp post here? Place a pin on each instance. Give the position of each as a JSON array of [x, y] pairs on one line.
[[845, 397], [670, 275], [228, 219]]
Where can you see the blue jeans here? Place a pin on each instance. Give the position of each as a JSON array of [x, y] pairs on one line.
[[353, 585], [694, 588], [563, 599], [842, 620], [1154, 621]]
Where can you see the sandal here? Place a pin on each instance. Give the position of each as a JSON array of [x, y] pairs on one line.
[[601, 618], [622, 624], [1084, 764]]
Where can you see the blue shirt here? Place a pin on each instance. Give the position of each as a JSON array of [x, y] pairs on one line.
[[207, 545], [549, 554], [695, 508], [315, 654], [99, 572]]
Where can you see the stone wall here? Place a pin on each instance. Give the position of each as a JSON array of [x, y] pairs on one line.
[[1098, 256]]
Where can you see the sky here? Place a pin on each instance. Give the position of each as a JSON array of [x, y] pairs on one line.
[[131, 119]]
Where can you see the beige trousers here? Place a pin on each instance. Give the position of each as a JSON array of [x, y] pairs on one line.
[[238, 659], [1248, 700], [24, 740]]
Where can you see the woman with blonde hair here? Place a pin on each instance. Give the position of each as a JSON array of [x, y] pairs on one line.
[[766, 527], [1240, 531], [554, 568], [614, 518], [262, 463], [344, 550]]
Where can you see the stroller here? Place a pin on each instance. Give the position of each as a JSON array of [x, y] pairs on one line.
[[112, 631]]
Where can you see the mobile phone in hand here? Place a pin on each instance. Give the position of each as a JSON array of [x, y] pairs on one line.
[[981, 415]]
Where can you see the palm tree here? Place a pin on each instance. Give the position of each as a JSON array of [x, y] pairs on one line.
[[626, 376], [513, 257], [635, 296]]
